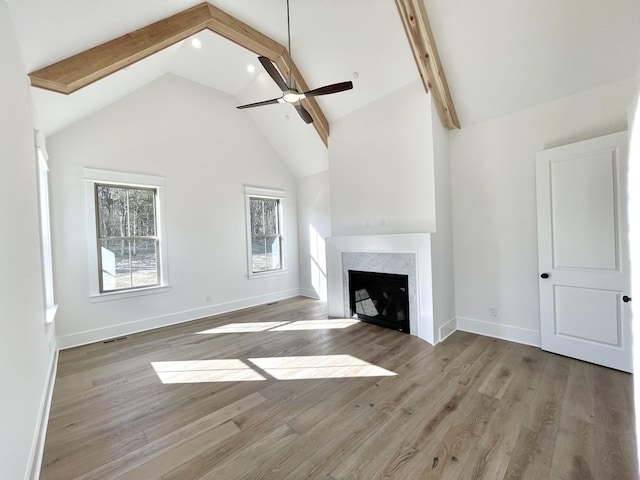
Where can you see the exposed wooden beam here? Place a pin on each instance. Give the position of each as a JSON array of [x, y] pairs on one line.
[[82, 69], [242, 34], [416, 24]]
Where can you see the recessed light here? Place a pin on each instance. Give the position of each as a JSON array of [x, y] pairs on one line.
[[196, 43], [251, 68]]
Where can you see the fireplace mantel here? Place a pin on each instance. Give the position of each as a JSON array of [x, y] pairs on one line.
[[407, 254]]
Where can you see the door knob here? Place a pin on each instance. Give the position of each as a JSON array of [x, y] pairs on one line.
[[544, 275], [626, 299]]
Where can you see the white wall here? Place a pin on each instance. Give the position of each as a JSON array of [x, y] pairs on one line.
[[442, 240], [26, 346], [207, 150], [494, 204], [314, 224], [381, 167]]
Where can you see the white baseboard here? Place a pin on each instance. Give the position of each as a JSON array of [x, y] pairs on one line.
[[129, 328], [497, 330], [309, 293], [447, 329], [37, 448]]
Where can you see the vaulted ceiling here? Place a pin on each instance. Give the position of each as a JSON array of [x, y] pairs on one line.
[[82, 69], [499, 56]]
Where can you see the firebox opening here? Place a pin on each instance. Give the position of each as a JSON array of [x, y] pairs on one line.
[[380, 298]]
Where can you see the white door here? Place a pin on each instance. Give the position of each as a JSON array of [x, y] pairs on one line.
[[583, 251]]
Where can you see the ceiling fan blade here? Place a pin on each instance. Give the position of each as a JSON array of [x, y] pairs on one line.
[[259, 104], [303, 113], [273, 73], [327, 89]]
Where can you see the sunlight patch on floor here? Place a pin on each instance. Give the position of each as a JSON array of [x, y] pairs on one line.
[[247, 327], [255, 369], [319, 366], [317, 325], [204, 371], [252, 327]]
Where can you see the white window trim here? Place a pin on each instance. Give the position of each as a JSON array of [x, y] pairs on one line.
[[93, 176], [50, 307], [265, 193]]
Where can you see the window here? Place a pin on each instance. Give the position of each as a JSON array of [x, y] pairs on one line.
[[265, 232], [45, 235], [126, 233]]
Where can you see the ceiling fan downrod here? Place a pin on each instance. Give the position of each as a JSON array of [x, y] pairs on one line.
[[289, 92]]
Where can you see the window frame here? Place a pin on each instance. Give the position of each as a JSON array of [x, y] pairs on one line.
[[44, 211], [271, 194], [94, 178], [128, 238]]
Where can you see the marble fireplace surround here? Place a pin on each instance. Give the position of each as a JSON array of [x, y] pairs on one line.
[[403, 254]]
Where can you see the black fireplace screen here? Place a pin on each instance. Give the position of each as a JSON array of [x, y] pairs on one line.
[[380, 298]]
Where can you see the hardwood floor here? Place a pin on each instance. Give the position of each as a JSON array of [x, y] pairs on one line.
[[281, 392]]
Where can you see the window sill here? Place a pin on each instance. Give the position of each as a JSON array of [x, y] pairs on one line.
[[272, 273], [106, 297]]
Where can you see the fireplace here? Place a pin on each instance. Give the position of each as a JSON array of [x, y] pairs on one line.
[[402, 254], [380, 298]]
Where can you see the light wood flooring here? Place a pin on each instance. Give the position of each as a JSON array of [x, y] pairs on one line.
[[275, 392]]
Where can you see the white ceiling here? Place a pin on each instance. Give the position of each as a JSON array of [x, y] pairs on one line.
[[504, 55], [499, 55]]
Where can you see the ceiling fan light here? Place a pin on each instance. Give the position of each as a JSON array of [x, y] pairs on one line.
[[291, 97]]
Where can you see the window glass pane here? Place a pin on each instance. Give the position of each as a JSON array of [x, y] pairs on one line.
[[125, 211], [273, 252], [116, 272], [258, 254], [111, 211], [271, 216], [128, 264], [257, 216], [266, 253], [144, 263], [142, 220]]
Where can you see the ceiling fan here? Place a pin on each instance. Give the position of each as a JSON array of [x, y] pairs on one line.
[[289, 92]]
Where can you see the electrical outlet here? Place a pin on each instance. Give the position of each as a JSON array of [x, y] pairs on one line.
[[493, 312], [208, 298]]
